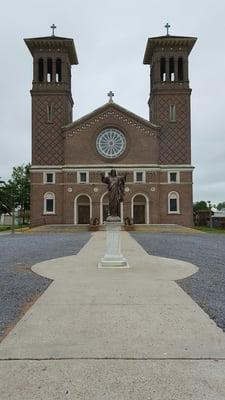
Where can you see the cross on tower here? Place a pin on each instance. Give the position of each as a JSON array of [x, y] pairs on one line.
[[111, 95], [167, 26], [53, 27]]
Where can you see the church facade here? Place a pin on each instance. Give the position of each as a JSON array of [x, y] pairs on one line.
[[69, 156]]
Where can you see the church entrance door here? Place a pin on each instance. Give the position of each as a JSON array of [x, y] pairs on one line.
[[105, 211], [105, 207], [139, 210], [83, 210]]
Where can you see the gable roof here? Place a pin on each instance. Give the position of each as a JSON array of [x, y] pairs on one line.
[[116, 107]]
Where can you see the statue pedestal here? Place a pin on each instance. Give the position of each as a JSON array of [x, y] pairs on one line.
[[113, 257]]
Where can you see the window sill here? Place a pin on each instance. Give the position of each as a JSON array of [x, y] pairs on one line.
[[49, 213], [174, 213], [139, 182]]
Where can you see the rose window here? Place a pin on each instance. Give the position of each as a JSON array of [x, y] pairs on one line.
[[111, 143]]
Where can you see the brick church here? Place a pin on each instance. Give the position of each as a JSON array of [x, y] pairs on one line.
[[69, 156]]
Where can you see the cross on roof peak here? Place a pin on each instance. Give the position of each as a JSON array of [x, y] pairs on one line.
[[167, 26], [111, 95], [53, 27]]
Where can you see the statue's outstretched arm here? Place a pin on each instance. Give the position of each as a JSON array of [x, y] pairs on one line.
[[105, 179]]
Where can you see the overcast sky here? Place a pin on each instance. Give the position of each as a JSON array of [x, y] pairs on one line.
[[110, 39]]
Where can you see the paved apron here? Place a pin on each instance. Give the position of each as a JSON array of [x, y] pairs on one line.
[[113, 333]]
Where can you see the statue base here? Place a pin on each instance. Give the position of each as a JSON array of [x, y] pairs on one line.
[[110, 218], [113, 257]]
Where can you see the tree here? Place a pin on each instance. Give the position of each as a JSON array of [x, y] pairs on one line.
[[6, 199], [200, 205], [220, 206], [16, 192]]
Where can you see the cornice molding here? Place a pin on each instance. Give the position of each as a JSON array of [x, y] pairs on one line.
[[100, 167]]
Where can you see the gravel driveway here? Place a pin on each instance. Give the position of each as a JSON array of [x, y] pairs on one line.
[[207, 251], [19, 286]]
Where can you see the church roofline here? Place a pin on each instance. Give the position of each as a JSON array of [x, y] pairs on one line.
[[54, 42], [104, 107], [167, 41]]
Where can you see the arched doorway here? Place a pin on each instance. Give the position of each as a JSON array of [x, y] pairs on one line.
[[83, 210], [104, 208], [140, 209]]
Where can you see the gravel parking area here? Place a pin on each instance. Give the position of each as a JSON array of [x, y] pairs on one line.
[[19, 286], [207, 251]]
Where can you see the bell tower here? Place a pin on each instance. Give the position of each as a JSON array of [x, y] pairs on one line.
[[169, 101], [52, 101]]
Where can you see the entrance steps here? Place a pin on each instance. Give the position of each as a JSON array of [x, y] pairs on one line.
[[154, 228], [59, 228], [167, 228]]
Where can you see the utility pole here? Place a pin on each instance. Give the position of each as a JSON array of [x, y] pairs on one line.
[[210, 213], [13, 214]]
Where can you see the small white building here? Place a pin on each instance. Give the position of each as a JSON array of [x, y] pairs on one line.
[[6, 219], [218, 218]]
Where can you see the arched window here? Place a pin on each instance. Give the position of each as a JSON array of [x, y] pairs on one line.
[[172, 113], [171, 69], [49, 70], [173, 203], [180, 69], [163, 69], [58, 77], [40, 70], [49, 203], [49, 113]]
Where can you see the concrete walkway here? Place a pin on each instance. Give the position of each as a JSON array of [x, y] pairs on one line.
[[113, 334]]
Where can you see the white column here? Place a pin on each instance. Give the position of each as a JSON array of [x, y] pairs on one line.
[[113, 257]]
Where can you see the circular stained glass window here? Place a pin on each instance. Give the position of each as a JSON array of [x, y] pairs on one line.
[[111, 143]]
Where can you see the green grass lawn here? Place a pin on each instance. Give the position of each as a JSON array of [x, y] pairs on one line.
[[210, 230], [4, 228], [8, 227]]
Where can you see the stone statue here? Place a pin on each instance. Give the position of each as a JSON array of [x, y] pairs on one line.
[[116, 185]]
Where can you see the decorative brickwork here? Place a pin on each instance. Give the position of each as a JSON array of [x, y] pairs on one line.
[[47, 136], [117, 116], [81, 138], [175, 136]]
